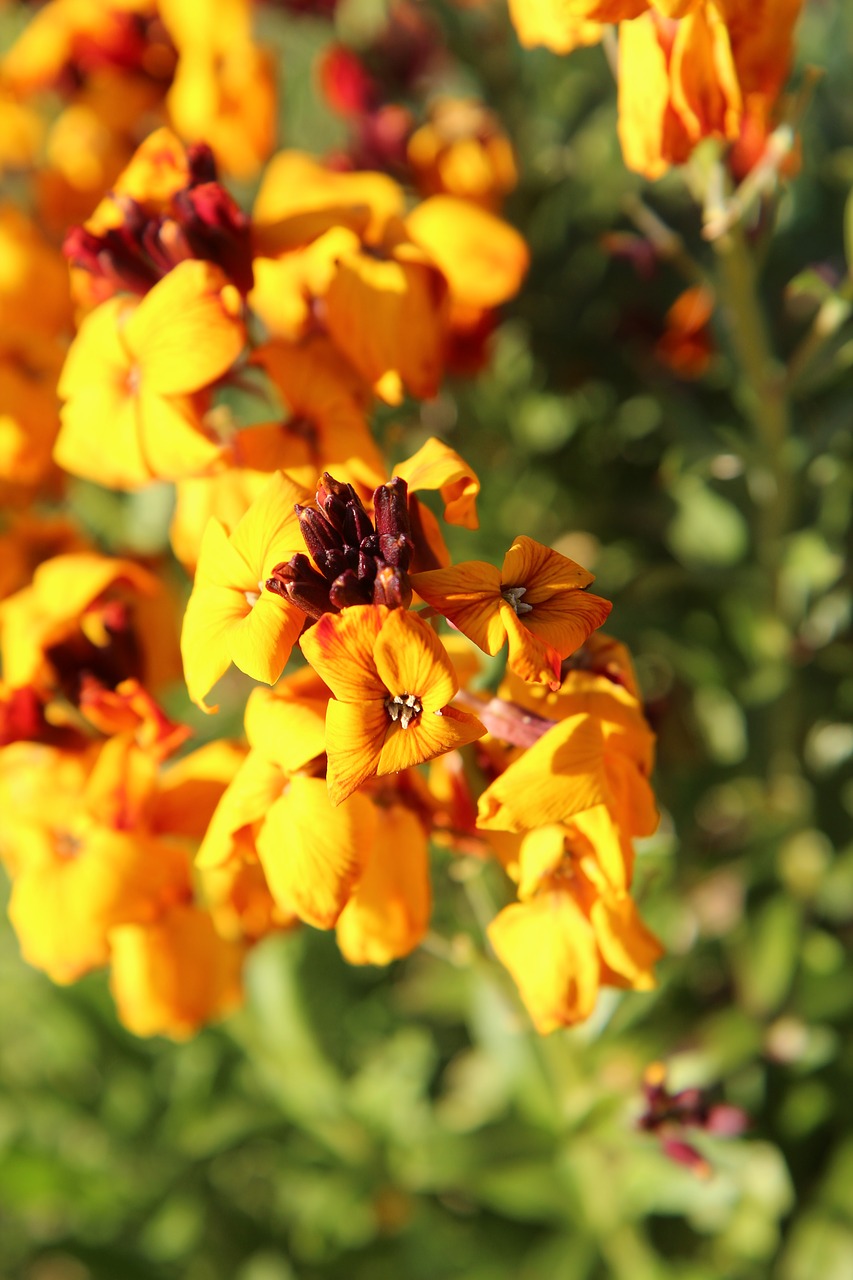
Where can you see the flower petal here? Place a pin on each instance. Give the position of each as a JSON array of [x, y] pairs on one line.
[[549, 948], [313, 854], [261, 642], [410, 659], [561, 775], [469, 596], [340, 648], [186, 332], [541, 570], [388, 912], [430, 735], [436, 466], [355, 733]]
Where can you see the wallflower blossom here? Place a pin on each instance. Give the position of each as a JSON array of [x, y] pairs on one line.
[[393, 684], [535, 601], [277, 810], [130, 382], [174, 974], [230, 616], [568, 939]]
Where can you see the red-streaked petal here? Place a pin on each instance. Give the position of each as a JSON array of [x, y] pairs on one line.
[[340, 648], [355, 733], [410, 658], [469, 596]]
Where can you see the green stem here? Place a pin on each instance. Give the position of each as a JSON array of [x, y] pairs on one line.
[[762, 394]]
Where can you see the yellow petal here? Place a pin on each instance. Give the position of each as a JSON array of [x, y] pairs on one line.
[[549, 948], [627, 947], [255, 786], [262, 641], [186, 332], [211, 616], [560, 775], [286, 728], [388, 912], [410, 659], [170, 977], [269, 531], [355, 734], [435, 466], [483, 257], [312, 853]]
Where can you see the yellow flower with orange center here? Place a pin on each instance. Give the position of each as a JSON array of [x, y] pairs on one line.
[[535, 601], [393, 683]]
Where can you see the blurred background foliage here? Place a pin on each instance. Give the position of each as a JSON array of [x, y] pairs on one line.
[[367, 1124]]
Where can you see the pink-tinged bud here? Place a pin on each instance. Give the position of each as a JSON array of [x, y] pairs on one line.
[[726, 1121], [683, 1153]]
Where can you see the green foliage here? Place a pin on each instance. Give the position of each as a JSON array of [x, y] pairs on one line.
[[367, 1125]]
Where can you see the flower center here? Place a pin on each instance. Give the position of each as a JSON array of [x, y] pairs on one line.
[[513, 595], [252, 597], [404, 707]]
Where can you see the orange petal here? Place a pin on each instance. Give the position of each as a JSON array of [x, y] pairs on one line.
[[549, 948], [429, 735], [469, 596], [540, 570], [627, 947], [410, 659], [340, 648], [355, 733], [483, 257], [435, 466]]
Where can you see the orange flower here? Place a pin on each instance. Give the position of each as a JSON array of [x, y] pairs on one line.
[[132, 376], [535, 601], [277, 809], [572, 936], [463, 151], [230, 615], [393, 683], [599, 751], [224, 85], [677, 85], [175, 974]]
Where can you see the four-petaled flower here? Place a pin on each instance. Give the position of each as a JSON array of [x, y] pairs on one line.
[[535, 601], [392, 682]]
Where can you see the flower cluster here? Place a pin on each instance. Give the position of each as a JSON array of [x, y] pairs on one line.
[[687, 69], [240, 356]]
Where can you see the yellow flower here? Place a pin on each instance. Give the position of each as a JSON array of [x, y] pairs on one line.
[[393, 683], [175, 974], [277, 809], [563, 944], [133, 374], [230, 616], [388, 912], [535, 601], [462, 151]]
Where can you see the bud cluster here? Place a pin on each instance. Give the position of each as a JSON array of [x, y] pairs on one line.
[[358, 560]]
